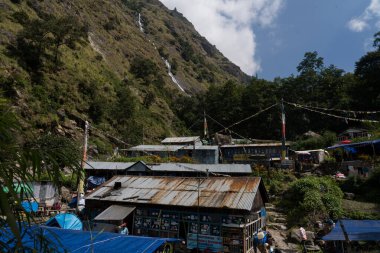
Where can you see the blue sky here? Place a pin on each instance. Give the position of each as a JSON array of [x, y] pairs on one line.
[[270, 37], [309, 25]]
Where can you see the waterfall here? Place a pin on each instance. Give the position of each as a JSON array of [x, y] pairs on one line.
[[140, 24], [171, 74], [165, 60]]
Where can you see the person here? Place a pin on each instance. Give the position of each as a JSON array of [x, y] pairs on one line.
[[303, 238], [124, 229], [260, 242]]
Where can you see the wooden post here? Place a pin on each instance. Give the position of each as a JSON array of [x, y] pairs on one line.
[[80, 191]]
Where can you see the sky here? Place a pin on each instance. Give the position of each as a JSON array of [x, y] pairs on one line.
[[269, 38]]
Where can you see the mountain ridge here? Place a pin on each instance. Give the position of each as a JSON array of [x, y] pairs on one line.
[[114, 75]]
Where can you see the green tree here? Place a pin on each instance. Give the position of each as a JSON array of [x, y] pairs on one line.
[[310, 63], [313, 198], [125, 106], [39, 38], [22, 162], [367, 92], [65, 31], [376, 41], [144, 68]]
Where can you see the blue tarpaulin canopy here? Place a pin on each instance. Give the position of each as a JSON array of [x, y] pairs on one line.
[[369, 147], [65, 240], [66, 221], [355, 230]]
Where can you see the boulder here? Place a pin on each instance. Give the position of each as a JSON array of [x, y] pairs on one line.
[[65, 195], [296, 237], [349, 195]]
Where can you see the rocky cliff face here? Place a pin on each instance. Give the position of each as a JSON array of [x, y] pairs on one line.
[[119, 64]]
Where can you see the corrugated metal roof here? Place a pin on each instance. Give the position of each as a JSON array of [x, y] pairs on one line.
[[274, 144], [156, 148], [107, 165], [357, 230], [181, 139], [115, 213], [215, 192], [213, 168], [203, 147]]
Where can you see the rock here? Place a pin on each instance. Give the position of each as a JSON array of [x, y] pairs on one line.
[[310, 235], [311, 248], [349, 195], [277, 226], [65, 194], [60, 130], [93, 150], [61, 114], [279, 219], [296, 237], [69, 124]]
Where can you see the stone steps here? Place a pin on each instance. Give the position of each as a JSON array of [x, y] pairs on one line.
[[278, 220], [275, 214], [277, 226]]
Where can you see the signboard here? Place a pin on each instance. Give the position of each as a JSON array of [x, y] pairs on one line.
[[213, 243], [287, 163]]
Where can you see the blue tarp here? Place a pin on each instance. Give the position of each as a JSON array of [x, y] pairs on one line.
[[357, 230], [365, 146], [29, 206], [93, 181], [66, 221], [64, 240]]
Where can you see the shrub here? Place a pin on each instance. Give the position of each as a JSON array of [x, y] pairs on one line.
[[313, 198], [144, 68]]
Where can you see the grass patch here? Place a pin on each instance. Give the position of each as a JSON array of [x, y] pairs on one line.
[[360, 210]]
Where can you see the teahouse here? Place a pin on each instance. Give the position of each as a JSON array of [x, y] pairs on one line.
[[218, 213]]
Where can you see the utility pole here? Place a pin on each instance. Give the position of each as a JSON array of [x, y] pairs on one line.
[[205, 127], [199, 218], [283, 147], [80, 174]]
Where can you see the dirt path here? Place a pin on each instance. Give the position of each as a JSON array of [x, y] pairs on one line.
[[276, 225]]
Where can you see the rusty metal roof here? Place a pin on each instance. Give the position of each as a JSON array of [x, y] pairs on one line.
[[91, 165], [214, 192], [212, 168]]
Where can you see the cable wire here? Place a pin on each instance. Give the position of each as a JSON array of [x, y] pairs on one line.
[[331, 115], [254, 115], [340, 110]]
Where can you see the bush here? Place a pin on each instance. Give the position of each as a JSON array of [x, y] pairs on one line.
[[21, 17], [144, 68], [313, 198]]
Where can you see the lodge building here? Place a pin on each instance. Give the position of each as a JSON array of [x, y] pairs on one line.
[[219, 213]]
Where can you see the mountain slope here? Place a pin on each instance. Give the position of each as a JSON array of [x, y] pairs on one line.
[[105, 61]]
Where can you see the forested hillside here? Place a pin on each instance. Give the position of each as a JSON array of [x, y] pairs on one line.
[[140, 72], [105, 61]]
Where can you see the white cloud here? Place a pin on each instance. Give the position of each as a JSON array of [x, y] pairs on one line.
[[357, 25], [228, 25], [371, 13]]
